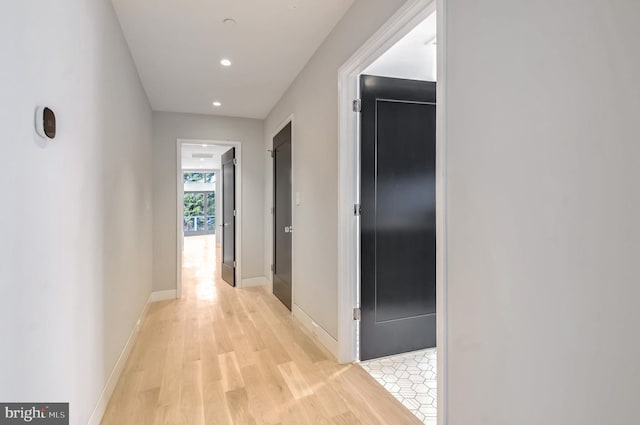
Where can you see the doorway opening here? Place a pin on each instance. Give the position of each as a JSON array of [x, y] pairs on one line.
[[391, 244], [209, 208]]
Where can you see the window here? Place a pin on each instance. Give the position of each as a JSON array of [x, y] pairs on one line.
[[199, 205], [196, 177]]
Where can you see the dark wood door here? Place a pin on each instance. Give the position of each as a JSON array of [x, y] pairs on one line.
[[398, 218], [282, 216], [229, 217]]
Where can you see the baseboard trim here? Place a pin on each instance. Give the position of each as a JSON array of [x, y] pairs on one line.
[[255, 281], [329, 342], [170, 294], [107, 392]]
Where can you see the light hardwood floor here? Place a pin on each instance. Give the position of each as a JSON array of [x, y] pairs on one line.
[[236, 356]]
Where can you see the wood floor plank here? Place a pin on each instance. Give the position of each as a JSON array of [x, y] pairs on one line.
[[375, 400], [227, 356], [215, 405], [252, 335], [296, 382], [120, 409], [314, 411], [347, 418], [245, 354], [223, 341], [261, 405], [191, 397], [272, 342], [172, 372], [192, 340], [231, 376], [209, 354], [147, 402], [238, 405], [275, 386]]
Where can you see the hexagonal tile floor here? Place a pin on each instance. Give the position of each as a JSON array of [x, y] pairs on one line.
[[411, 378]]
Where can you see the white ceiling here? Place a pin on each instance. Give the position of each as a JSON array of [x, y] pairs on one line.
[[414, 57], [191, 163], [177, 46]]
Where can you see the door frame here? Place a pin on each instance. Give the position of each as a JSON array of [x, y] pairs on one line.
[[401, 23], [289, 119], [180, 206]]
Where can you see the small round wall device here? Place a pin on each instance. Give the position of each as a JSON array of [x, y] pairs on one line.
[[45, 122]]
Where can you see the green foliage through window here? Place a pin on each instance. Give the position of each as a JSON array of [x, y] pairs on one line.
[[193, 204], [199, 213], [194, 177]]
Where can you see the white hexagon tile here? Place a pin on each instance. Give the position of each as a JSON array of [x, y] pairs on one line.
[[411, 378]]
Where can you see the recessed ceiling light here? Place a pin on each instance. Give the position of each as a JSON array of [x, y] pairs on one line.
[[204, 146], [201, 159], [217, 104], [229, 21], [225, 62]]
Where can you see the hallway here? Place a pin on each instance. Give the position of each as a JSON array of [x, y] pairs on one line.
[[236, 356]]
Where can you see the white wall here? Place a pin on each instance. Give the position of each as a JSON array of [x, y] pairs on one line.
[[167, 129], [313, 99], [75, 239], [413, 57], [543, 211]]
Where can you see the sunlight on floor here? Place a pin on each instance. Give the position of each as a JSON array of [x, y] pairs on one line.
[[200, 261]]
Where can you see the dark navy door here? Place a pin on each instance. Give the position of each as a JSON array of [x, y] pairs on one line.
[[229, 217], [398, 216], [282, 216]]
